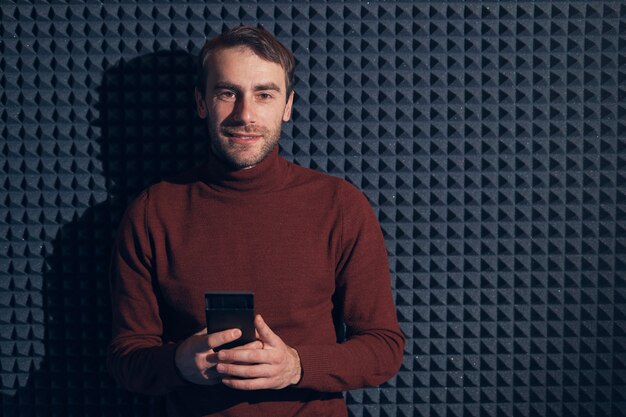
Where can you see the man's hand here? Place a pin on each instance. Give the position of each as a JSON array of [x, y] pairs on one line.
[[195, 358], [273, 367]]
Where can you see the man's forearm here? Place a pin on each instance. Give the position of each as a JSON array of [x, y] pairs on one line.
[[364, 360], [145, 370]]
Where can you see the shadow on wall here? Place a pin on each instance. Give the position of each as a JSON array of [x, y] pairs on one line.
[[149, 131]]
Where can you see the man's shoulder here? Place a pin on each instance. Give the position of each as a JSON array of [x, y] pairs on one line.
[[169, 188], [319, 188], [310, 176]]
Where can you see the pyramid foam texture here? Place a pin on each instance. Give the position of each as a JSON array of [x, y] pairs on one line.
[[490, 137]]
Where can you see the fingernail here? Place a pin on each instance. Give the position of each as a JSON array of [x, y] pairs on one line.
[[236, 333]]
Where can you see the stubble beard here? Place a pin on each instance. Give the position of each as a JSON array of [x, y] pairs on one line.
[[234, 154]]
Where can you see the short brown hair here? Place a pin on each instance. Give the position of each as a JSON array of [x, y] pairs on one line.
[[260, 41]]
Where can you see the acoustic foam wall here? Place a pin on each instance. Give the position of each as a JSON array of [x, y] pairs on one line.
[[489, 136]]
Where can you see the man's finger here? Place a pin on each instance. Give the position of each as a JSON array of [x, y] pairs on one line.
[[257, 344], [212, 358], [244, 371], [249, 356], [218, 339], [247, 384], [266, 334]]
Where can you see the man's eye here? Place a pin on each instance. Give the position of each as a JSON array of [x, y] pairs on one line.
[[264, 96], [226, 95]]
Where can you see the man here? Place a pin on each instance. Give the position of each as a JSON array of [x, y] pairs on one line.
[[305, 243]]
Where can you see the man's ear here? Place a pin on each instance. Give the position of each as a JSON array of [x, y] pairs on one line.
[[288, 106], [200, 105]]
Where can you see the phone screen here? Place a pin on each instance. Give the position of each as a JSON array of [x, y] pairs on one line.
[[230, 310]]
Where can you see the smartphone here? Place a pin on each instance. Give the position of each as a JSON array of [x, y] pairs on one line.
[[230, 310]]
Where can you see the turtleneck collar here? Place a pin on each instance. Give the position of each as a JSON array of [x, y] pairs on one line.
[[266, 176]]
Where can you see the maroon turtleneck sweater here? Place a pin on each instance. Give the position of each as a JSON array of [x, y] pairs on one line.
[[299, 239]]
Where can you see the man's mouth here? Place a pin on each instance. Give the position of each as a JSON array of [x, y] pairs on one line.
[[242, 137]]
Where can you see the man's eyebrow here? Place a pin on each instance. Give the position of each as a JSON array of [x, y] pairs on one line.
[[268, 86], [223, 85]]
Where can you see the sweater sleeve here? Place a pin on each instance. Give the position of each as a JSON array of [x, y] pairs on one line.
[[137, 357], [374, 347]]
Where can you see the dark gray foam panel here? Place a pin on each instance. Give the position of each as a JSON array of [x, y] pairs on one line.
[[489, 136]]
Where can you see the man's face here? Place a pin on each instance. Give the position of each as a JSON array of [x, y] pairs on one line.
[[245, 104]]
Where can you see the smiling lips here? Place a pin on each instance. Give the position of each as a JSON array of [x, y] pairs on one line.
[[243, 137]]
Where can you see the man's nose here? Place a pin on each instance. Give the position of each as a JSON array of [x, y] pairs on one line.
[[244, 110]]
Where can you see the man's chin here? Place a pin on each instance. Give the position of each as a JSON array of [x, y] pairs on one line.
[[238, 156], [238, 162]]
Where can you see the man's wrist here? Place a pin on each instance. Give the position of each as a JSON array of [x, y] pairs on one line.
[[177, 363], [297, 377]]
